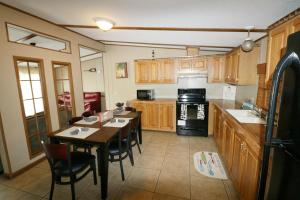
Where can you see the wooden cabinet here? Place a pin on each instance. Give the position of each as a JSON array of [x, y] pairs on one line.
[[215, 68], [157, 115], [242, 163], [155, 71], [192, 65], [277, 43], [240, 67]]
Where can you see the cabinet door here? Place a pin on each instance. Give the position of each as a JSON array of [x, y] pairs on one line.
[[228, 144], [198, 64], [295, 25], [167, 71], [216, 124], [152, 115], [236, 168], [154, 68], [228, 66], [277, 41], [185, 65], [215, 67], [142, 71], [142, 107], [234, 67], [250, 175], [167, 116]]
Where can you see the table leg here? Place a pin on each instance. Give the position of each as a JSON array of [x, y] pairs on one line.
[[102, 157], [140, 133]]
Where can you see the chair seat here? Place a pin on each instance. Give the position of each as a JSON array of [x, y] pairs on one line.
[[114, 147], [79, 160]]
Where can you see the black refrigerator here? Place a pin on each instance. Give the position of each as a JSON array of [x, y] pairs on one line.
[[280, 170]]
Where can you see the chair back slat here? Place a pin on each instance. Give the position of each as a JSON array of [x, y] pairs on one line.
[[125, 131], [87, 114], [130, 109], [74, 119], [56, 151]]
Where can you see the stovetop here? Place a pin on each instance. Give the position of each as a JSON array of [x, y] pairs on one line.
[[191, 95]]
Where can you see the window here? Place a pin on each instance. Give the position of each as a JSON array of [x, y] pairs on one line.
[[33, 99], [26, 36], [62, 76]]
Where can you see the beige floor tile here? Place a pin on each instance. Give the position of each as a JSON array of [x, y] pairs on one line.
[[150, 162], [40, 186], [134, 194], [44, 165], [177, 151], [158, 196], [176, 139], [207, 188], [176, 166], [174, 184], [14, 194], [145, 179], [155, 149], [231, 192]]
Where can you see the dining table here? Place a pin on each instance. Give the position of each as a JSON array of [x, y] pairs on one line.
[[99, 139]]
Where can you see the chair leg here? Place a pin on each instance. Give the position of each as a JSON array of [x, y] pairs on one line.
[[137, 142], [73, 188], [121, 167], [130, 154], [93, 166], [52, 188]]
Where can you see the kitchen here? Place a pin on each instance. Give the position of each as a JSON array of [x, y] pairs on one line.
[[190, 84]]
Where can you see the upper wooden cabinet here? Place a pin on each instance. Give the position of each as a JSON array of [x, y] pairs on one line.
[[155, 71], [240, 67], [192, 65], [215, 68], [277, 43]]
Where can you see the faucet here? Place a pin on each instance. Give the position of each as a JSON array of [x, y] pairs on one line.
[[258, 111]]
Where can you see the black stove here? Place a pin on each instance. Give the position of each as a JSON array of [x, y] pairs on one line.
[[192, 112]]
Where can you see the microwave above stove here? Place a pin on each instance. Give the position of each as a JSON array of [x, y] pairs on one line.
[[145, 94]]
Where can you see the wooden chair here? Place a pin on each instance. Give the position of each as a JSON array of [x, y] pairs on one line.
[[120, 147], [76, 146], [64, 163], [130, 109], [135, 131]]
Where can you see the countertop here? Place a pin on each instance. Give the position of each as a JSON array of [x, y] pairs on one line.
[[157, 99], [255, 132]]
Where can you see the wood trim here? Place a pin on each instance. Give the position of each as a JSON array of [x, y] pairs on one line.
[[89, 55], [261, 68], [71, 84], [164, 44], [28, 37], [285, 19], [45, 20], [153, 28], [45, 97], [5, 146], [44, 34], [24, 169]]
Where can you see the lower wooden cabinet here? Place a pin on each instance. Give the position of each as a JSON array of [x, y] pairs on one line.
[[157, 115], [240, 160]]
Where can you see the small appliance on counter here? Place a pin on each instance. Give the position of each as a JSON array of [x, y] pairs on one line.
[[145, 94], [192, 112]]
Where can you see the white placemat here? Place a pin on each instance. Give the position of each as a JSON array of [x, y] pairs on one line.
[[81, 134], [209, 164], [117, 124], [83, 122]]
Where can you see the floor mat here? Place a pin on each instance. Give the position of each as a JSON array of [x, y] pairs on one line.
[[209, 164]]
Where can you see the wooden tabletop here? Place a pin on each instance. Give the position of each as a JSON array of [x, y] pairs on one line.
[[103, 135]]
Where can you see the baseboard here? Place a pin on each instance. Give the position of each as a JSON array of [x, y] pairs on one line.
[[24, 169]]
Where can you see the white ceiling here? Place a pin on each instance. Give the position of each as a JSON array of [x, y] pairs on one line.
[[162, 13]]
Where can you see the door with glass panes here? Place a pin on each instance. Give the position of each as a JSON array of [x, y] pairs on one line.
[[34, 103], [63, 83]]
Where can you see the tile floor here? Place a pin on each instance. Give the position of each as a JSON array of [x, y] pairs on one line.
[[164, 171]]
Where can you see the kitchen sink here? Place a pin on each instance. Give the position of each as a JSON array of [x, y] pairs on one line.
[[246, 116]]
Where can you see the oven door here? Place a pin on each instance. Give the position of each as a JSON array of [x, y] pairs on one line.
[[192, 118]]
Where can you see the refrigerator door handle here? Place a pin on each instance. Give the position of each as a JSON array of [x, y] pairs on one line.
[[288, 60]]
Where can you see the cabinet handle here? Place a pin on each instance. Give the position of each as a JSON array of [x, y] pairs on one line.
[[242, 146]]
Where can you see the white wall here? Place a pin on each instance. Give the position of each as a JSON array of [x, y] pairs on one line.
[[122, 90], [92, 81], [10, 106]]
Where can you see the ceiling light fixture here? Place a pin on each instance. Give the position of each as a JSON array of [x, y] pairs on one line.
[[248, 43], [104, 24]]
